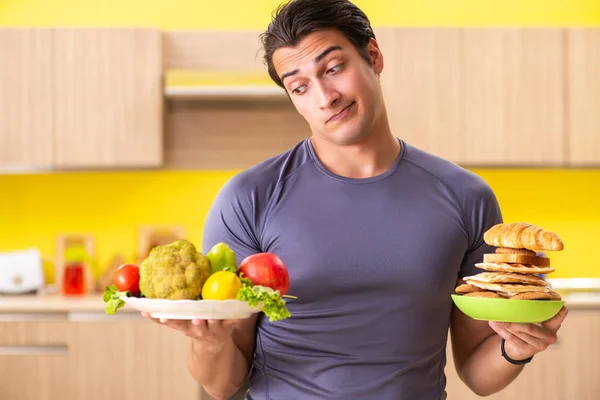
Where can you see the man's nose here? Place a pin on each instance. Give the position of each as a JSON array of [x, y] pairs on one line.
[[328, 96]]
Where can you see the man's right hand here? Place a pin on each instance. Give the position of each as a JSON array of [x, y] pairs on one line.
[[209, 332]]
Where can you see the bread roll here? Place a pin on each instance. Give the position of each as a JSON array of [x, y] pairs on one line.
[[522, 235]]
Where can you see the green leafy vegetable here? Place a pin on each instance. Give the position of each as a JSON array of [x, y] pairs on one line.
[[230, 268], [272, 304], [112, 299]]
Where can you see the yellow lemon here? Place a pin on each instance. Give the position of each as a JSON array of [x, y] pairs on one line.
[[222, 285]]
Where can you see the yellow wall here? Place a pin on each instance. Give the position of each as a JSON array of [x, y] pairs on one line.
[[112, 205], [255, 14]]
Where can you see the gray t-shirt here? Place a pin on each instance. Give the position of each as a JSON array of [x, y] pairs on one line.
[[373, 263]]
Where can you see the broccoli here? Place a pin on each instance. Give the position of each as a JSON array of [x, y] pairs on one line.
[[174, 271]]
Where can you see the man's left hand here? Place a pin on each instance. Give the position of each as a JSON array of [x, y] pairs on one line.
[[525, 340]]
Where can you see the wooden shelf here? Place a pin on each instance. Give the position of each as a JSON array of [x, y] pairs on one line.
[[203, 84], [195, 92]]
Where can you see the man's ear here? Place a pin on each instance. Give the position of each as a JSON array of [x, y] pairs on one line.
[[375, 55]]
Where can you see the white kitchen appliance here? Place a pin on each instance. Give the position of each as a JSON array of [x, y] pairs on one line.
[[21, 271]]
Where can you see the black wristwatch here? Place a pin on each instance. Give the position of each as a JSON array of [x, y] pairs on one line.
[[510, 360]]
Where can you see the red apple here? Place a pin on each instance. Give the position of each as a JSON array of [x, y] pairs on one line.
[[266, 269]]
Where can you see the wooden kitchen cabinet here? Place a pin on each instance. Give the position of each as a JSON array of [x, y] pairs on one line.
[[583, 96], [92, 356], [26, 98], [513, 100], [566, 370], [478, 97], [33, 377], [129, 358], [108, 97], [421, 83], [34, 357], [81, 98]]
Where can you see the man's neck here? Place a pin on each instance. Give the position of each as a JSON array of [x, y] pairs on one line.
[[373, 157]]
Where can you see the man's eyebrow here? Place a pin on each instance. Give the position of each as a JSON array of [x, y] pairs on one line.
[[327, 51], [288, 74], [318, 58]]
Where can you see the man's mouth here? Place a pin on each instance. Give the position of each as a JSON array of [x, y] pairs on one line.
[[341, 114]]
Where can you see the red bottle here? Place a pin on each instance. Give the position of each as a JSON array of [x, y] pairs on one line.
[[73, 278]]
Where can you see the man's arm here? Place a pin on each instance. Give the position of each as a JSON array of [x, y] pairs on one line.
[[221, 366], [477, 358], [476, 349]]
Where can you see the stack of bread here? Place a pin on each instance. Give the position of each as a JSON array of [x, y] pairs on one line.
[[512, 272]]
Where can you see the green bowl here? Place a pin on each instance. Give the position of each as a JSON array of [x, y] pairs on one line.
[[506, 310]]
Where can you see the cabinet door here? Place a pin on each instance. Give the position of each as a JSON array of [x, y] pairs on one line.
[[513, 97], [34, 357], [583, 102], [128, 357], [26, 98], [566, 370], [484, 97], [421, 83], [581, 355], [540, 380], [108, 97]]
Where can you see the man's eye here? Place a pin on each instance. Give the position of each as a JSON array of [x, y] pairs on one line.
[[334, 69], [299, 89]]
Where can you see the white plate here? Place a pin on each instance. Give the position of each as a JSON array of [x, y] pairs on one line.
[[193, 309]]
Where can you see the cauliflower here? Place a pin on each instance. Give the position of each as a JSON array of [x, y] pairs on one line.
[[174, 271]]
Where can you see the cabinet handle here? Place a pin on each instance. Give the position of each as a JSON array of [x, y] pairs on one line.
[[101, 316], [32, 316], [33, 350]]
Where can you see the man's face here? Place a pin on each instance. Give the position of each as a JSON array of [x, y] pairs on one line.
[[332, 86]]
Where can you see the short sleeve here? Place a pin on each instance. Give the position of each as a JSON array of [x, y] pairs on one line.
[[482, 211], [233, 219]]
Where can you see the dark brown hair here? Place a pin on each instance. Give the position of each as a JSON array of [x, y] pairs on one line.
[[295, 19]]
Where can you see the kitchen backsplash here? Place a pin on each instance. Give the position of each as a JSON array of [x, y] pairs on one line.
[[111, 207]]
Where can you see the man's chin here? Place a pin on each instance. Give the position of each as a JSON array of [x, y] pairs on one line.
[[348, 138]]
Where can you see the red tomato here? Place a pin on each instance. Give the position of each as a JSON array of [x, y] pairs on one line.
[[266, 269], [127, 277]]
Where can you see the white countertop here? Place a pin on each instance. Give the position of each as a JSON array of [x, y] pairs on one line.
[[93, 303], [582, 299], [54, 303]]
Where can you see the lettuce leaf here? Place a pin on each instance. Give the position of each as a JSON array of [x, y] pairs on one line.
[[112, 299], [273, 304]]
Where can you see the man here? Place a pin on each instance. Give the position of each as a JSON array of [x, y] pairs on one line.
[[375, 234]]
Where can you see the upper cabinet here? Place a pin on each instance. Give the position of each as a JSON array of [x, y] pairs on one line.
[[421, 81], [490, 97], [81, 98], [26, 98], [513, 100], [480, 97], [108, 97], [583, 96]]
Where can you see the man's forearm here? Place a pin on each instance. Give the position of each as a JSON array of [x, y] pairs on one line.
[[221, 371], [486, 371]]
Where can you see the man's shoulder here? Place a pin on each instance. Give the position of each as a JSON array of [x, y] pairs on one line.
[[456, 177], [266, 175]]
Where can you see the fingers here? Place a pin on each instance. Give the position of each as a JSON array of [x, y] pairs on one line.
[[196, 328], [538, 344], [555, 322], [498, 327], [525, 339], [147, 315], [533, 330], [517, 346]]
